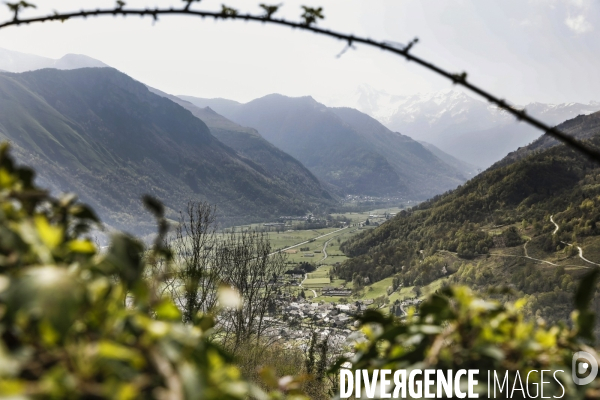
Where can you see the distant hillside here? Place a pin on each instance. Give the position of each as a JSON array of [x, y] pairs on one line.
[[496, 229], [289, 172], [467, 169], [14, 61], [103, 135], [223, 106], [343, 147]]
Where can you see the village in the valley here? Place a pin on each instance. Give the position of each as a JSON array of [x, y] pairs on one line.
[[310, 298], [297, 318]]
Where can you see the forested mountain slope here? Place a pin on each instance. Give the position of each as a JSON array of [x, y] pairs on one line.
[[496, 230], [101, 134], [343, 147]]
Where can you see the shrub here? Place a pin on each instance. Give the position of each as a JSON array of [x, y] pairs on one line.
[[76, 323], [511, 237], [455, 329]]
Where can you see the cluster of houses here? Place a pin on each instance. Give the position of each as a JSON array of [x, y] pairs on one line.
[[384, 215], [325, 313], [331, 321], [340, 341], [275, 224], [330, 291], [356, 198], [293, 218]]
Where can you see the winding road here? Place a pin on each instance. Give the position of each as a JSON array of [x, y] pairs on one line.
[[569, 244], [305, 277], [325, 250], [322, 259], [310, 241], [535, 259], [555, 224]]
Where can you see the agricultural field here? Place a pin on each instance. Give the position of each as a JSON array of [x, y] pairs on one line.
[[321, 247], [312, 283], [378, 289], [310, 242]]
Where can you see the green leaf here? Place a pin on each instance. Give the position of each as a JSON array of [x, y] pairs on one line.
[[168, 311], [228, 11], [311, 15], [269, 9], [51, 235], [115, 351], [82, 246]]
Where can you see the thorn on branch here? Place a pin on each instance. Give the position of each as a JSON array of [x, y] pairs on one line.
[[411, 44], [189, 3], [59, 17], [345, 49], [120, 4], [311, 15]]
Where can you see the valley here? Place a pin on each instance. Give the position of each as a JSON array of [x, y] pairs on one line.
[[256, 181], [279, 156], [279, 241], [299, 201], [343, 147]]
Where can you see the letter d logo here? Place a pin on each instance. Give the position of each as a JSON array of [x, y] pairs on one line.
[[579, 368]]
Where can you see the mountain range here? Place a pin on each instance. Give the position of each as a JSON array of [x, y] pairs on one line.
[[343, 147], [14, 61], [66, 123], [105, 136], [465, 127], [247, 142]]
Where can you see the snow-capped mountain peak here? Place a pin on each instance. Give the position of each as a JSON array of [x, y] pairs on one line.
[[466, 127]]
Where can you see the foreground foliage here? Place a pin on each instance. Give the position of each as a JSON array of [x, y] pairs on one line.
[[494, 230], [457, 330], [78, 324]]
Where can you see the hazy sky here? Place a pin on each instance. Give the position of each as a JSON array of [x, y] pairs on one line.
[[524, 50]]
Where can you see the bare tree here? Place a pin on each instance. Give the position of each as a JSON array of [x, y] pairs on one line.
[[204, 260], [249, 266], [196, 275]]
